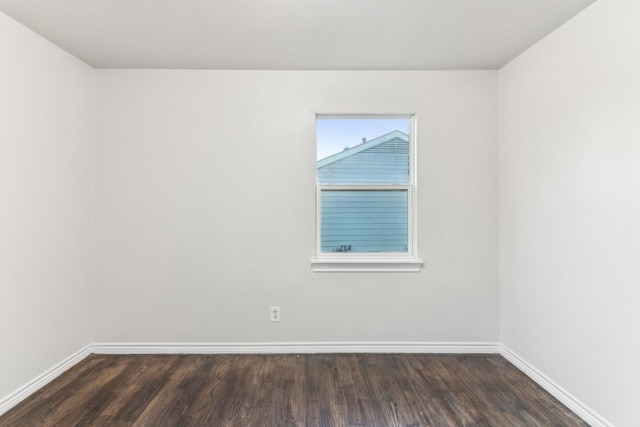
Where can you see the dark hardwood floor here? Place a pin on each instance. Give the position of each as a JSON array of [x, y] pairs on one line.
[[292, 390]]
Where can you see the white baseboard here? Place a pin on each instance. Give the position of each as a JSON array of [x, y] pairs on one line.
[[294, 347], [43, 379], [567, 399]]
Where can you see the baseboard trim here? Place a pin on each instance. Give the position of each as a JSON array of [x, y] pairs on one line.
[[567, 399], [294, 347], [43, 379]]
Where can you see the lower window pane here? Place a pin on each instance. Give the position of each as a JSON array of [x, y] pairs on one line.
[[364, 220]]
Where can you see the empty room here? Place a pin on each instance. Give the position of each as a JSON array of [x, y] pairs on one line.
[[320, 213]]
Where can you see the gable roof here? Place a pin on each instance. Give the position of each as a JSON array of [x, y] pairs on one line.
[[362, 147]]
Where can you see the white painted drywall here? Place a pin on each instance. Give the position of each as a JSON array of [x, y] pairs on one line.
[[570, 208], [46, 158], [206, 201]]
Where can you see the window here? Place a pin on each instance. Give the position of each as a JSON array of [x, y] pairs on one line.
[[365, 191]]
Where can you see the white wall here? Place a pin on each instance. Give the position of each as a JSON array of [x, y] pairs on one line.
[[46, 135], [570, 208], [205, 208]]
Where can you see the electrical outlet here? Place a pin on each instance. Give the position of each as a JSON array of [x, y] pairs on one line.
[[275, 314]]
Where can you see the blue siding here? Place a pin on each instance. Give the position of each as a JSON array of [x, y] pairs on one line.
[[386, 163], [364, 221]]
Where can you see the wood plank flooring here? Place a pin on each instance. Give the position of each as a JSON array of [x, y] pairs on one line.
[[292, 390]]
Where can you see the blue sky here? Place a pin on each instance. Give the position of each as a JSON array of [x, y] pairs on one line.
[[334, 134]]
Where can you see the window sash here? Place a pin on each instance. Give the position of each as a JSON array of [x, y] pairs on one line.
[[409, 189]]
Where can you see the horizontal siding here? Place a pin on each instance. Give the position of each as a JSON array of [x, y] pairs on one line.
[[365, 220], [387, 163]]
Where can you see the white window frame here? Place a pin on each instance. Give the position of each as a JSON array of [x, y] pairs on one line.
[[378, 261]]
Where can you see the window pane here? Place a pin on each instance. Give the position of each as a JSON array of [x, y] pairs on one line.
[[364, 220], [363, 150]]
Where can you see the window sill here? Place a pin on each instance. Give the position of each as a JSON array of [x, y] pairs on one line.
[[366, 265]]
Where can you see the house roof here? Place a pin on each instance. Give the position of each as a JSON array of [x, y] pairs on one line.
[[362, 147]]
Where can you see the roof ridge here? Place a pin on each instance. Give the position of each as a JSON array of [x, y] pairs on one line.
[[350, 151]]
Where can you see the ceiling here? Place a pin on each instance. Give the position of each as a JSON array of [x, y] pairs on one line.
[[294, 34]]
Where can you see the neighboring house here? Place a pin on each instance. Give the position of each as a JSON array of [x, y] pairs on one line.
[[372, 220]]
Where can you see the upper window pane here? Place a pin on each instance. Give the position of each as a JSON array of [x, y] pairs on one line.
[[363, 150]]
